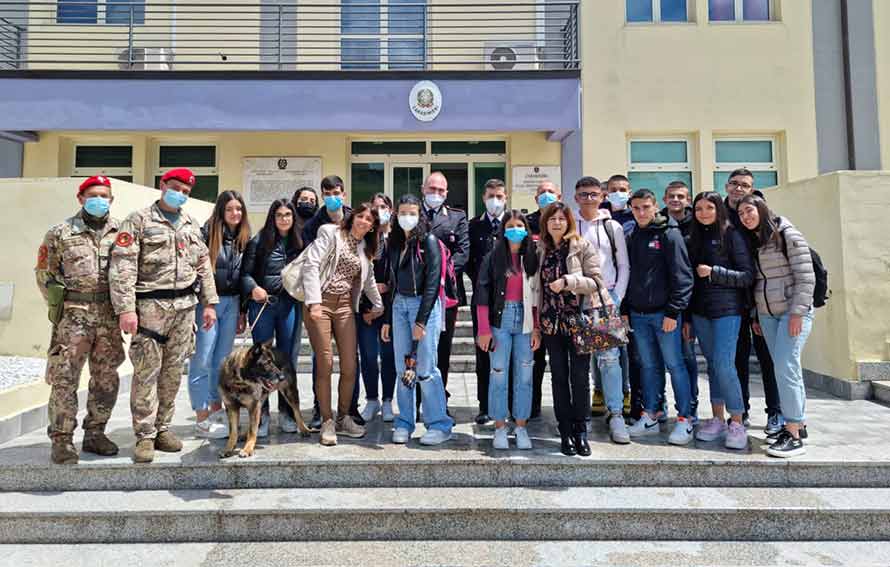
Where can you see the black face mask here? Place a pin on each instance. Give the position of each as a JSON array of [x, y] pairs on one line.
[[306, 210]]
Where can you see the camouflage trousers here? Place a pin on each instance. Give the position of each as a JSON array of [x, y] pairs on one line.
[[84, 333], [157, 367]]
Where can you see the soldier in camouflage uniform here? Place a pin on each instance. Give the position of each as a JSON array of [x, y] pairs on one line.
[[159, 265], [75, 254]]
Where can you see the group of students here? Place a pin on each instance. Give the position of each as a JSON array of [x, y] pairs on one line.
[[384, 282]]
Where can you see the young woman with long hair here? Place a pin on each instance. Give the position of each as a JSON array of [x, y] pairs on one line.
[[226, 234], [506, 295]]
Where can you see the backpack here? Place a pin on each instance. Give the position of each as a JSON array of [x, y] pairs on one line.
[[610, 233], [821, 292], [447, 278]]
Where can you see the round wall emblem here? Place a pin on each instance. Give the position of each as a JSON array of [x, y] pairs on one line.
[[282, 163], [425, 101]]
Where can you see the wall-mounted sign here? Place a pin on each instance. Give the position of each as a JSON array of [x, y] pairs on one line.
[[526, 179], [425, 101], [269, 178]]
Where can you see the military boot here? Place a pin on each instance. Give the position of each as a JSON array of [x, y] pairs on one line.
[[63, 451], [144, 451], [168, 442], [97, 442]]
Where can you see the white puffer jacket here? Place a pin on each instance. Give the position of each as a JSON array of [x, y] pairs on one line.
[[784, 283]]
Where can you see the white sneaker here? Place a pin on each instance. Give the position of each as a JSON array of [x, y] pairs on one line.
[[372, 407], [388, 416], [435, 437], [263, 430], [286, 423], [523, 441], [500, 439], [618, 430], [219, 416], [644, 426], [400, 436], [209, 430], [682, 433]]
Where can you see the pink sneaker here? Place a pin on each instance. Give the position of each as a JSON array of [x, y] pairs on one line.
[[736, 437], [712, 430]]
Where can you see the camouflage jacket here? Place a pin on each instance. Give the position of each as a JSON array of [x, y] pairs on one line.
[[77, 256], [151, 254]]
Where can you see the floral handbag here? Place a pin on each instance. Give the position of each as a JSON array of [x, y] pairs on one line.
[[596, 330]]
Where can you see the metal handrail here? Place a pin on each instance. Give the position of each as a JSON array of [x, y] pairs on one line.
[[363, 36]]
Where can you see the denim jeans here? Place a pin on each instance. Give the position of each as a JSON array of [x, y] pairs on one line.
[[371, 348], [276, 321], [718, 338], [653, 344], [211, 347], [786, 351], [429, 380], [510, 341], [612, 365]]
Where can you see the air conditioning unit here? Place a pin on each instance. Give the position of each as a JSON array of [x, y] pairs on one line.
[[510, 56], [146, 59]]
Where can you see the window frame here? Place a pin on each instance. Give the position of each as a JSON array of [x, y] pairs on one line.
[[739, 14], [61, 3], [113, 172], [383, 36], [661, 166], [159, 171], [138, 11], [656, 15], [727, 167]]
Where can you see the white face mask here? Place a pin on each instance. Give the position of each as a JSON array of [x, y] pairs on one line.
[[384, 215], [408, 222], [618, 199], [494, 206], [433, 200]]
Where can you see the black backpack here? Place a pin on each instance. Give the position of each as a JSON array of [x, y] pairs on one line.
[[821, 292]]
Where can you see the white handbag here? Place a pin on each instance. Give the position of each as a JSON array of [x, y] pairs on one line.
[[292, 274]]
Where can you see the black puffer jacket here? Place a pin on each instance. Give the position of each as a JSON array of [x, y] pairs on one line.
[[262, 268], [381, 274], [418, 274], [228, 263], [725, 292]]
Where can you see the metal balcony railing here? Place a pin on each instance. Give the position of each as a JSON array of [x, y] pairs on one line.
[[361, 35]]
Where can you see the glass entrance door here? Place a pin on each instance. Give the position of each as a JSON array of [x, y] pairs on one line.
[[408, 178], [458, 178]]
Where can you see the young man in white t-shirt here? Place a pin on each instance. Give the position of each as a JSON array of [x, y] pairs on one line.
[[596, 226]]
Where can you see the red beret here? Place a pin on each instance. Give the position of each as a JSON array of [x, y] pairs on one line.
[[180, 174], [92, 181]]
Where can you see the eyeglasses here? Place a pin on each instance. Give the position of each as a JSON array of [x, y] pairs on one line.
[[283, 216], [744, 186], [587, 196]]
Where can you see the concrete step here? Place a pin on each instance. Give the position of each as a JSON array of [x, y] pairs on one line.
[[881, 391], [433, 513], [542, 553]]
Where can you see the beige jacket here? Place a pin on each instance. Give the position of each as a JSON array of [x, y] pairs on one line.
[[321, 258], [583, 273]]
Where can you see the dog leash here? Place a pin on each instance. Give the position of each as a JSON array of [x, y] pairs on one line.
[[250, 325]]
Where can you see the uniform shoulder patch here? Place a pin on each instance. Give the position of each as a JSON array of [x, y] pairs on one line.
[[42, 256], [124, 239]]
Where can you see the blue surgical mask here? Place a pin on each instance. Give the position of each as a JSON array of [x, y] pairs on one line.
[[97, 206], [174, 198], [515, 234], [333, 202], [618, 199], [545, 199]]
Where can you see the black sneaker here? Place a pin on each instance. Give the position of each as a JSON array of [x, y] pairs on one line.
[[316, 419], [357, 417], [802, 431], [786, 446], [482, 418]]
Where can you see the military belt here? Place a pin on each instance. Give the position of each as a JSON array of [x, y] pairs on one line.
[[166, 293], [154, 335], [97, 297]]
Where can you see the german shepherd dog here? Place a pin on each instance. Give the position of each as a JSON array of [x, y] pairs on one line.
[[247, 377]]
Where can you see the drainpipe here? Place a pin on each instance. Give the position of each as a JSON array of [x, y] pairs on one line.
[[848, 88]]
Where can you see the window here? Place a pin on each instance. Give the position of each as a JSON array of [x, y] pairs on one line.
[[76, 11], [740, 10], [758, 155], [375, 33], [118, 11], [655, 163], [657, 11], [468, 148], [200, 159], [113, 161], [388, 148], [367, 180]]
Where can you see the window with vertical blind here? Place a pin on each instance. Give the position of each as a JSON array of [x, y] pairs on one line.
[[77, 11], [200, 159], [111, 160], [655, 11], [654, 163], [118, 12], [379, 34], [757, 155]]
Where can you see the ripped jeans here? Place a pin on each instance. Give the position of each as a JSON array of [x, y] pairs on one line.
[[508, 340]]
